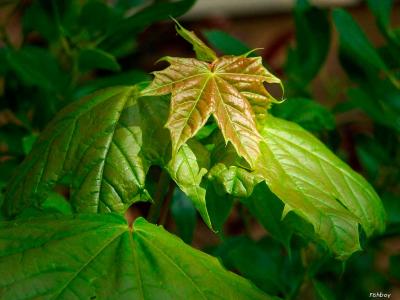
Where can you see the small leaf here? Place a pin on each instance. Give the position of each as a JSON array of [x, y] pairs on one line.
[[100, 257], [234, 180], [203, 52], [226, 88], [318, 186], [105, 143], [229, 173], [187, 174], [91, 58]]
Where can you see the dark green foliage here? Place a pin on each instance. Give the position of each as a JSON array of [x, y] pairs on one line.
[[64, 184]]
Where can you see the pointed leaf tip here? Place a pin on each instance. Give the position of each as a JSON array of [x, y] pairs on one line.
[[203, 52]]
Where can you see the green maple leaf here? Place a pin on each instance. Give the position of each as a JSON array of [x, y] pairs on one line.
[[231, 88]]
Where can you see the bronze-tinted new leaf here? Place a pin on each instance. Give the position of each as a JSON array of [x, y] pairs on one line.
[[226, 88]]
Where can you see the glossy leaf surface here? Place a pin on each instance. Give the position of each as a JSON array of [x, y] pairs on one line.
[[102, 146], [318, 186], [185, 171], [98, 256], [226, 89]]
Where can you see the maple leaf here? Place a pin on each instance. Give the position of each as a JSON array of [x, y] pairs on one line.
[[225, 88]]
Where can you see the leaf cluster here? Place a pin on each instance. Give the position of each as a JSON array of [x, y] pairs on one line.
[[218, 137]]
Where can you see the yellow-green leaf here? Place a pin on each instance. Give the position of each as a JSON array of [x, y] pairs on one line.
[[203, 52], [318, 186]]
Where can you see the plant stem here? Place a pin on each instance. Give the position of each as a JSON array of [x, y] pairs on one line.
[[155, 209]]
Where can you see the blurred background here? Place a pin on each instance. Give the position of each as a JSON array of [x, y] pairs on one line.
[[340, 64]]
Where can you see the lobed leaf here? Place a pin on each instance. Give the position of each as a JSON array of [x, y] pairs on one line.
[[98, 256], [318, 186], [102, 146], [227, 88]]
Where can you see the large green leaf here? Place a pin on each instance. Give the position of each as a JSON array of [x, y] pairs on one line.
[[100, 257], [102, 146], [318, 186]]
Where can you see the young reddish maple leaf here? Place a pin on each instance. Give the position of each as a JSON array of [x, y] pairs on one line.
[[226, 88]]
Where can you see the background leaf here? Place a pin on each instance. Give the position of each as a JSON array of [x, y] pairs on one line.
[[91, 58], [312, 44], [352, 39], [225, 43], [36, 67], [305, 112], [184, 214], [268, 210]]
